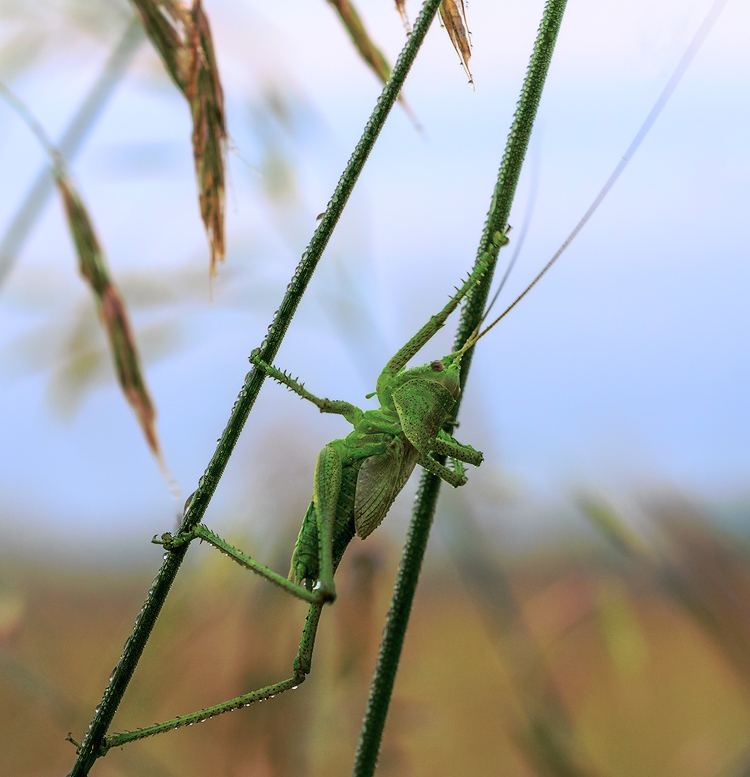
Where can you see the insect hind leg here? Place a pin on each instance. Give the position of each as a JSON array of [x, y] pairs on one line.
[[328, 477], [301, 668], [205, 534]]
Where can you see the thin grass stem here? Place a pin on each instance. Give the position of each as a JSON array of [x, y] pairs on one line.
[[386, 668], [93, 742]]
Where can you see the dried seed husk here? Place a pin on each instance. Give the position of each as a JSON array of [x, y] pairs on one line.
[[182, 36], [454, 21]]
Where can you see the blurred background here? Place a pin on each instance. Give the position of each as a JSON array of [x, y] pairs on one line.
[[584, 608]]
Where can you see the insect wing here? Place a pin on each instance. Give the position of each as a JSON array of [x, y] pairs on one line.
[[380, 480], [423, 406]]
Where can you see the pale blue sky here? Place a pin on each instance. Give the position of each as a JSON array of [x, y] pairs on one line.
[[626, 368]]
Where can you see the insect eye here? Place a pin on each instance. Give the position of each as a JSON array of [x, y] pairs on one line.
[[437, 366]]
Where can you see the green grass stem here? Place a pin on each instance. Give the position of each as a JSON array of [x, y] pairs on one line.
[[92, 744], [424, 509]]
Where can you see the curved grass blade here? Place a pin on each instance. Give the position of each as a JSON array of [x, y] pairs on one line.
[[111, 310], [25, 217], [110, 305], [367, 49]]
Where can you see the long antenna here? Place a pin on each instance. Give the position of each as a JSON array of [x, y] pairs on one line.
[[695, 44]]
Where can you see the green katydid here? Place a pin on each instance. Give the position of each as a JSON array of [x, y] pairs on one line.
[[357, 478]]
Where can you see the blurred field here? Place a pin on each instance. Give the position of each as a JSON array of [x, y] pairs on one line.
[[582, 659]]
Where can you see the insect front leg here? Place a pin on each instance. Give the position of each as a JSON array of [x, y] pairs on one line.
[[448, 446], [444, 444], [455, 479]]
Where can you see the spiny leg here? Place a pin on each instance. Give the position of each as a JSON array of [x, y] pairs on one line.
[[446, 445], [352, 413], [455, 479], [403, 355], [302, 661], [338, 455], [202, 532], [302, 665]]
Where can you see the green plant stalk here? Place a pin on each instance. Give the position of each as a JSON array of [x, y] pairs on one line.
[[384, 677], [510, 167], [92, 744]]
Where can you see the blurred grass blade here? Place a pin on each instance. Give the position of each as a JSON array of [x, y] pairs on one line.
[[371, 54], [94, 270], [165, 24], [454, 21], [111, 311], [367, 49], [695, 567], [182, 36], [25, 217], [545, 732], [608, 521], [401, 8]]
